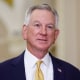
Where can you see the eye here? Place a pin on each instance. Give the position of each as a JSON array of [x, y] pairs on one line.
[[37, 25], [50, 26]]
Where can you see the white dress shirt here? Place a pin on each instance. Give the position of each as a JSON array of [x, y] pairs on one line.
[[30, 66]]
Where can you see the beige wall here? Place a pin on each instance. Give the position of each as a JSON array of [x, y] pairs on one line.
[[67, 45], [68, 42], [78, 32]]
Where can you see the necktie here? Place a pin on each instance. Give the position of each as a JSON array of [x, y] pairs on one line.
[[38, 74]]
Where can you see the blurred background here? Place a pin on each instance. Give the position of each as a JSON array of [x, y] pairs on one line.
[[12, 14]]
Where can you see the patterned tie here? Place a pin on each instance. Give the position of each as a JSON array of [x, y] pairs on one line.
[[38, 74]]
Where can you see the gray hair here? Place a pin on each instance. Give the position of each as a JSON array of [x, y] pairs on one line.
[[41, 7]]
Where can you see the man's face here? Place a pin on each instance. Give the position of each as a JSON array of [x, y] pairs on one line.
[[41, 32]]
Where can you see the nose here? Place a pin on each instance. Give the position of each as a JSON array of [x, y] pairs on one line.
[[43, 31]]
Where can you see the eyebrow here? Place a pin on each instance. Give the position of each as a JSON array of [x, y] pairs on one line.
[[36, 21]]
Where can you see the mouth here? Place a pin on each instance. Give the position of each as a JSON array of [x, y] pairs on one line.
[[42, 40]]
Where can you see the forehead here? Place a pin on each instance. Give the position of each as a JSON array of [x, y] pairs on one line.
[[42, 15], [43, 11]]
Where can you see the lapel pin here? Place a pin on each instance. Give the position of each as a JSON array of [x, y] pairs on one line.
[[59, 70]]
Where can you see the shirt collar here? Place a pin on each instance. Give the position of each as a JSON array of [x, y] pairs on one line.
[[31, 60], [46, 59]]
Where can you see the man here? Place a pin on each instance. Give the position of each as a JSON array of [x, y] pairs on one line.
[[40, 32]]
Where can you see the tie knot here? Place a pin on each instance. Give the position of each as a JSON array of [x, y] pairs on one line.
[[39, 63]]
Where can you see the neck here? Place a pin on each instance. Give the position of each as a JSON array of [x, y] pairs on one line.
[[37, 52]]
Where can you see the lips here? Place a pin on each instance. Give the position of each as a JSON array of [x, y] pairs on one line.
[[42, 40]]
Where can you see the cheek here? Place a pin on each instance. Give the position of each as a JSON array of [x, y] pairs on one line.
[[31, 33], [51, 37]]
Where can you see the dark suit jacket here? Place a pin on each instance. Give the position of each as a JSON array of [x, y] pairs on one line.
[[14, 69]]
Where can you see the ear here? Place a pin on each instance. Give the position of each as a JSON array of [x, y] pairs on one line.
[[24, 32], [56, 33]]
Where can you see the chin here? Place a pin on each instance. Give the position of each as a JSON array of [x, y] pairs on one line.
[[43, 48]]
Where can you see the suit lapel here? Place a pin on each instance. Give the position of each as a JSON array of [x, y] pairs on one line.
[[18, 70], [58, 69]]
